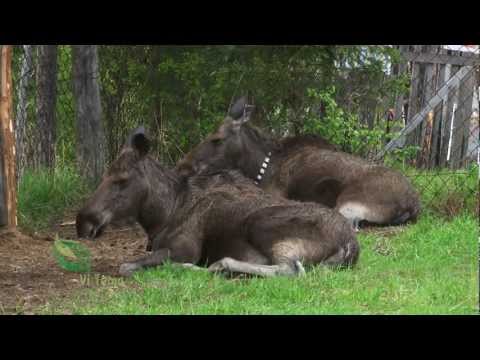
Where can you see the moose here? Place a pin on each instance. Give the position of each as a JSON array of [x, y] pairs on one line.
[[305, 168], [219, 220]]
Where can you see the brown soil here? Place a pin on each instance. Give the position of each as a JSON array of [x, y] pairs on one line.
[[30, 276]]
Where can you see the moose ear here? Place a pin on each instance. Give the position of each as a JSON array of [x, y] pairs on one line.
[[139, 141], [241, 112], [236, 111]]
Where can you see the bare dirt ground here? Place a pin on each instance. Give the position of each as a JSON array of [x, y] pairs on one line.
[[30, 277]]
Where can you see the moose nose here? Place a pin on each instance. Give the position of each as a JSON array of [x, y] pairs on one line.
[[91, 224], [87, 225], [83, 226], [185, 169]]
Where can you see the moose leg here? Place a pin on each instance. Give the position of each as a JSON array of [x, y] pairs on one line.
[[156, 258], [227, 264], [377, 200], [192, 266], [356, 223], [182, 254]]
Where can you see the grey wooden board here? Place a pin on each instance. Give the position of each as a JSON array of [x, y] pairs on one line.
[[462, 127], [470, 59]]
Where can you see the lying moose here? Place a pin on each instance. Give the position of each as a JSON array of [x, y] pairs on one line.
[[306, 168], [221, 220]]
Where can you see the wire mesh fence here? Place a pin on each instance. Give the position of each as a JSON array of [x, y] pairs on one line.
[[414, 107]]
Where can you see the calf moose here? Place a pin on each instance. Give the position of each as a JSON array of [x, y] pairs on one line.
[[221, 220], [306, 168]]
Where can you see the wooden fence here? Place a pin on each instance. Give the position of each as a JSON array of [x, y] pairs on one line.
[[438, 110]]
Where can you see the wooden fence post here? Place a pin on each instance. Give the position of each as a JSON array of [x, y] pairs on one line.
[[8, 194]]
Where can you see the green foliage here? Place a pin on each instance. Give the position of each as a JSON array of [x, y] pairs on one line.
[[398, 158], [181, 93], [341, 127]]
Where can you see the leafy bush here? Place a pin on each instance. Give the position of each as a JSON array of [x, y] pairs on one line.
[[342, 127]]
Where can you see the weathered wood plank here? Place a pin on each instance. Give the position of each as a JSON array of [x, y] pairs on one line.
[[446, 74], [462, 123], [399, 100], [451, 114], [415, 97], [429, 89], [427, 141], [466, 59]]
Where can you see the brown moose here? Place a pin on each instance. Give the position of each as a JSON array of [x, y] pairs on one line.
[[221, 220], [306, 168]]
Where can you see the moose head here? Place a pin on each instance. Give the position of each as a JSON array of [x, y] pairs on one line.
[[123, 189], [233, 145]]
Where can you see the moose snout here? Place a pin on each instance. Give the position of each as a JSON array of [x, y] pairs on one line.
[[89, 225], [186, 169]]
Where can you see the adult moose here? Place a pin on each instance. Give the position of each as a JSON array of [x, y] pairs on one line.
[[221, 220], [306, 168]]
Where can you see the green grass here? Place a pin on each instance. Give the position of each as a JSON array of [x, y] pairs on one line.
[[43, 195], [429, 268]]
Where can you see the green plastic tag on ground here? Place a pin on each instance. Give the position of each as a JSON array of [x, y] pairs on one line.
[[72, 255]]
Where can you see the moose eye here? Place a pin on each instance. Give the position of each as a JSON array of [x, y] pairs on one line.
[[121, 180], [217, 141]]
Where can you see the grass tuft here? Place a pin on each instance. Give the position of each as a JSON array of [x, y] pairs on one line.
[[44, 195]]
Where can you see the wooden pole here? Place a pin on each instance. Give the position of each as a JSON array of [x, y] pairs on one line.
[[427, 141], [8, 194]]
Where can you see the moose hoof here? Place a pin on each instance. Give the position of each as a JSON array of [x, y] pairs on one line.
[[299, 269], [220, 266], [192, 267], [356, 224], [128, 269]]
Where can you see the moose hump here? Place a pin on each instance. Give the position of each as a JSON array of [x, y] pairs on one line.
[[292, 143]]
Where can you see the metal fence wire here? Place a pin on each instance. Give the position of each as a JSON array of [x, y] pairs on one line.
[[433, 124]]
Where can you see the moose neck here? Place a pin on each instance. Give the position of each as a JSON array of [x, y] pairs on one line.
[[257, 153], [162, 197]]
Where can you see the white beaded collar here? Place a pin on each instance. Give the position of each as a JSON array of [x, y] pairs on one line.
[[262, 170]]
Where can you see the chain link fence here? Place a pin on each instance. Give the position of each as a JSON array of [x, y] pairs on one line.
[[429, 126]]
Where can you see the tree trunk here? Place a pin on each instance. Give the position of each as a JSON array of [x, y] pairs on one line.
[[90, 133], [46, 102], [26, 72], [8, 195]]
